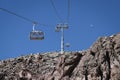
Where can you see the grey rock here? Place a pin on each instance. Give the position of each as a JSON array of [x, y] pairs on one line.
[[100, 62]]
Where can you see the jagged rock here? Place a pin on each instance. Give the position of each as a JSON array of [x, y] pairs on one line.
[[100, 62], [2, 76]]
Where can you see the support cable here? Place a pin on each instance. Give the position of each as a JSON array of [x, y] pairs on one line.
[[22, 17], [56, 11], [68, 14]]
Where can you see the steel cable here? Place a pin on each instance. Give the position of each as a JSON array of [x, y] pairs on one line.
[[68, 14], [22, 17], [56, 11]]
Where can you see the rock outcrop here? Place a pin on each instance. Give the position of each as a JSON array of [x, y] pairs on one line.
[[100, 62]]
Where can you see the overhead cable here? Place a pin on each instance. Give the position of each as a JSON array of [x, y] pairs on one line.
[[22, 17], [56, 11], [68, 14]]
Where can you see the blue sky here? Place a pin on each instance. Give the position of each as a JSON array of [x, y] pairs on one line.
[[89, 19]]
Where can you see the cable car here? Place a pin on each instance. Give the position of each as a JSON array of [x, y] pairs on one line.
[[36, 35], [67, 45]]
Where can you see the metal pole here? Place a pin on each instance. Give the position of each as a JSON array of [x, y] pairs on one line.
[[62, 39], [61, 27]]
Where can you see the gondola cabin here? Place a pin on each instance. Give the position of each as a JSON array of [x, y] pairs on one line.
[[36, 35]]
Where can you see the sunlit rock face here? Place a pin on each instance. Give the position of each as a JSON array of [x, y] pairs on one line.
[[100, 62]]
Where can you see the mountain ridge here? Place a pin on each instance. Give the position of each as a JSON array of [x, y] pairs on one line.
[[100, 62]]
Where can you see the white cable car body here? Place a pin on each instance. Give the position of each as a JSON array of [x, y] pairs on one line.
[[36, 35]]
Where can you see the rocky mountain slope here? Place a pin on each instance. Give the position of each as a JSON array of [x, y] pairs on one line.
[[100, 62]]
